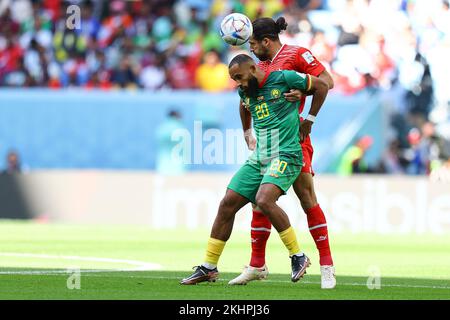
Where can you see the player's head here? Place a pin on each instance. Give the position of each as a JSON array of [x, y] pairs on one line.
[[242, 69], [265, 33]]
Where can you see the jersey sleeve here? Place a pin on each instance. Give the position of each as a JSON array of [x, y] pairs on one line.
[[307, 63], [297, 80]]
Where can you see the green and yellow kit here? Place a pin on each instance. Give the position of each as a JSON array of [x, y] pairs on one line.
[[278, 155]]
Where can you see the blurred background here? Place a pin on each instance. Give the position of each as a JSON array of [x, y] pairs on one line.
[[89, 105]]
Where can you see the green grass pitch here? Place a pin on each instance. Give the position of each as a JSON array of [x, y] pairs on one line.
[[35, 260]]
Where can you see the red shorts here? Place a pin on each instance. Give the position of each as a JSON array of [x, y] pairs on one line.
[[307, 150]]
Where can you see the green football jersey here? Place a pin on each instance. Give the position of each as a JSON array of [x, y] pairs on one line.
[[276, 120]]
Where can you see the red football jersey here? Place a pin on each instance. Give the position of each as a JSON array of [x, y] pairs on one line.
[[294, 58]]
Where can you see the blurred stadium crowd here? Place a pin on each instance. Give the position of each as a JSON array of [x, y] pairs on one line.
[[395, 48]]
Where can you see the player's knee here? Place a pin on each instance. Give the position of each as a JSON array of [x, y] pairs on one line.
[[263, 202], [225, 205], [307, 197]]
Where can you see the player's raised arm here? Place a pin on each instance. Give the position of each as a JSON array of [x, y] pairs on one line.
[[308, 84], [296, 94], [326, 76], [306, 62], [243, 71], [319, 90]]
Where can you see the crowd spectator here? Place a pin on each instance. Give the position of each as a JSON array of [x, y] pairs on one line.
[[141, 43], [396, 47], [352, 161], [12, 163], [212, 75], [393, 161]]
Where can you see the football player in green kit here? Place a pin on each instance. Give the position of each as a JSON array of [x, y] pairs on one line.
[[275, 164]]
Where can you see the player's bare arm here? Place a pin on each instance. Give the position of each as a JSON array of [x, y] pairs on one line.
[[296, 95], [326, 76], [246, 120], [319, 90]]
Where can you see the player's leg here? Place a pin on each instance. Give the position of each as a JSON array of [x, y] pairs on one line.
[[241, 189], [259, 232], [223, 226], [266, 199], [304, 189], [220, 233], [278, 178], [223, 223]]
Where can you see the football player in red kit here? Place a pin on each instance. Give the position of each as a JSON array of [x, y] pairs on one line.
[[266, 46]]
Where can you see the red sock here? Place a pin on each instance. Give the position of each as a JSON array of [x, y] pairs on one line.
[[260, 234], [319, 231]]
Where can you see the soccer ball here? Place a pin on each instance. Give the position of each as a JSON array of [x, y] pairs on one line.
[[236, 29]]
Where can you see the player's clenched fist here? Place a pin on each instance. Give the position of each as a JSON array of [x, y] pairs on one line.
[[305, 129]]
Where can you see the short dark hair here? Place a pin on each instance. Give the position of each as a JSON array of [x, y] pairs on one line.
[[239, 59], [268, 28]]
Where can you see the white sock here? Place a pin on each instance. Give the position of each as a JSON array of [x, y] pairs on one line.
[[300, 254], [209, 265]]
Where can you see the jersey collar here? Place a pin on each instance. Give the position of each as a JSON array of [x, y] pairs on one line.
[[278, 52], [264, 79]]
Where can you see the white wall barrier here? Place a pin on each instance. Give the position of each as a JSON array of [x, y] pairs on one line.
[[379, 204]]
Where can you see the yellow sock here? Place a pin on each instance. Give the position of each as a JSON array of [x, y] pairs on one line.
[[290, 240], [214, 250]]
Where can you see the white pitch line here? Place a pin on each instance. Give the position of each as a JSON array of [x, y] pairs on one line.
[[138, 265], [147, 266]]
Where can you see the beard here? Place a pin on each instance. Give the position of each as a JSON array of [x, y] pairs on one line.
[[263, 55], [252, 88]]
